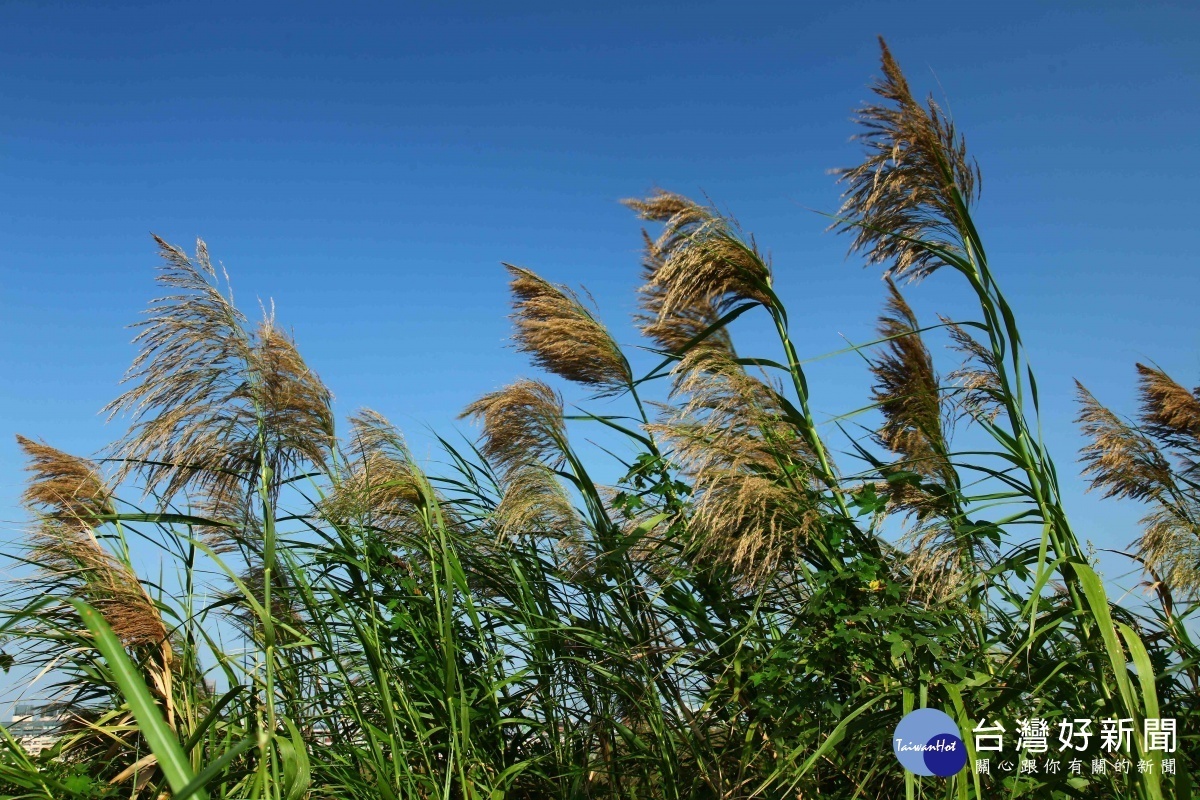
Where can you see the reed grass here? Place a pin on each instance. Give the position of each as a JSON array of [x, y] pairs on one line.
[[732, 618]]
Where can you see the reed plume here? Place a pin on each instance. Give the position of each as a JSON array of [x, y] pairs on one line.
[[215, 406], [909, 197], [980, 392], [381, 486], [683, 326], [63, 487], [1153, 461], [753, 475], [908, 392], [1170, 413], [700, 260], [533, 501], [66, 494], [1119, 459], [522, 425], [525, 436], [562, 335], [1170, 545]]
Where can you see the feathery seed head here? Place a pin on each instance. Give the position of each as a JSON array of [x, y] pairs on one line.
[[1119, 458], [562, 336], [535, 503], [913, 185], [295, 405], [907, 390], [683, 326], [980, 393], [382, 485], [678, 215], [1169, 411], [1170, 545], [1135, 461], [63, 487], [522, 425], [699, 262], [212, 403], [67, 494], [753, 476]]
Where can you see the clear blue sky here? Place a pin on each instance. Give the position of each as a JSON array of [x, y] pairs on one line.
[[369, 166]]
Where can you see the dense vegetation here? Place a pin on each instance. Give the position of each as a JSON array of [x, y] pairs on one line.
[[737, 616]]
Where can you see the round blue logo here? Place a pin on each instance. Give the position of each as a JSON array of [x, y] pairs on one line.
[[928, 742]]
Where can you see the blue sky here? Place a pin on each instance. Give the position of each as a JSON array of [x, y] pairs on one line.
[[369, 166]]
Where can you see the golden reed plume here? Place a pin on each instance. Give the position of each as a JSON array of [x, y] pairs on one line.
[[1154, 461], [562, 336], [908, 391], [524, 434], [914, 184], [699, 262], [66, 495], [214, 405], [753, 482]]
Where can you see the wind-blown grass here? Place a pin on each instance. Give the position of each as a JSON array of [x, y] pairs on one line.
[[727, 620]]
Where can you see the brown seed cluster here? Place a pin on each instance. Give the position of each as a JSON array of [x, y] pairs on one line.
[[906, 200], [908, 392], [66, 494], [1153, 460], [698, 264], [562, 335], [215, 406], [753, 475]]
